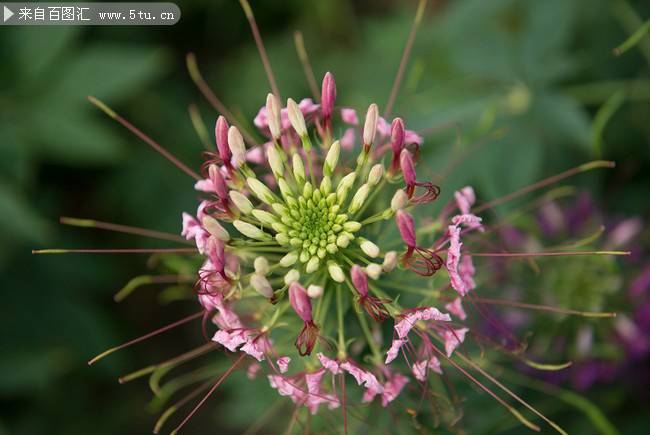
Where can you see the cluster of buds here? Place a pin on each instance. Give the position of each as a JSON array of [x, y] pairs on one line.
[[307, 219]]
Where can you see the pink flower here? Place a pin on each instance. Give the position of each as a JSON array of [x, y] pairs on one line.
[[256, 347], [412, 137], [453, 338], [283, 363], [465, 198], [455, 307], [420, 368], [361, 376], [391, 389], [453, 258], [396, 142], [467, 271], [285, 388], [404, 326], [329, 364], [349, 116], [192, 229], [231, 340], [470, 220]]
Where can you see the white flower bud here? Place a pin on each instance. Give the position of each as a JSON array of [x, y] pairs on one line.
[[352, 226], [273, 115], [342, 241], [292, 276], [332, 158], [344, 187], [260, 190], [250, 230], [335, 271], [314, 291], [262, 285], [368, 248], [275, 161], [241, 202], [370, 127], [390, 261], [264, 216], [289, 259], [285, 190], [359, 198], [215, 228], [298, 169], [296, 118], [312, 265], [237, 147], [373, 270], [282, 239], [375, 174], [261, 265], [326, 185], [399, 201]]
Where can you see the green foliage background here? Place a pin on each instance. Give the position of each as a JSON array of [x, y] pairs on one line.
[[540, 71]]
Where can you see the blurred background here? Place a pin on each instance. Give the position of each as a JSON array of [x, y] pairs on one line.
[[541, 73]]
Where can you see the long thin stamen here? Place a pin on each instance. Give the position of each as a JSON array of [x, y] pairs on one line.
[[199, 126], [206, 91], [511, 393], [209, 393], [187, 356], [306, 65], [543, 254], [260, 47], [146, 336], [152, 143], [405, 57], [505, 404], [116, 251], [543, 307], [141, 280], [91, 223], [546, 182]]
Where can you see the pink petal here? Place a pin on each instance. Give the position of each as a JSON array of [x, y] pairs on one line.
[[283, 363], [419, 370], [455, 307], [453, 257], [453, 339], [467, 271], [394, 350], [393, 388], [329, 364], [230, 340], [434, 365], [412, 137], [349, 116], [252, 371], [347, 141]]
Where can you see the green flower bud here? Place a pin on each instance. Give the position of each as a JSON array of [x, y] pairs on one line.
[[275, 161], [241, 202], [352, 226], [332, 158], [260, 190], [251, 231], [359, 198], [289, 259], [390, 261], [312, 265], [335, 271], [262, 285], [292, 276], [261, 265], [298, 169], [375, 174], [264, 216]]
